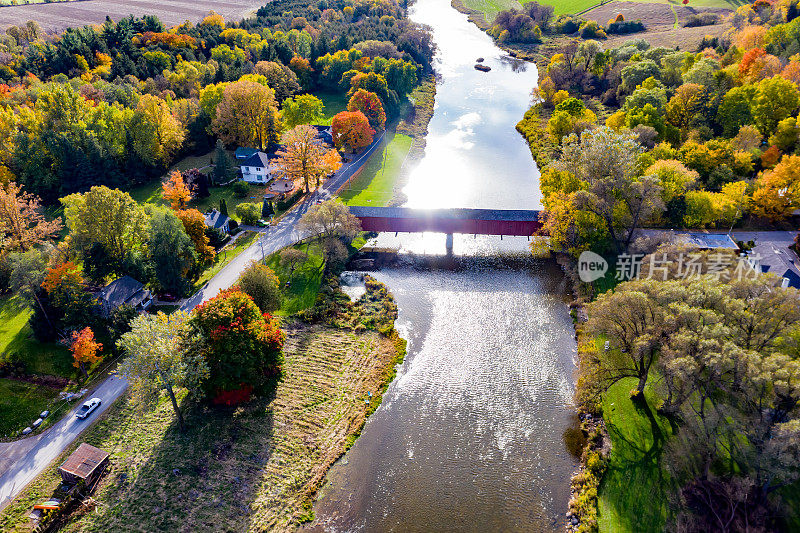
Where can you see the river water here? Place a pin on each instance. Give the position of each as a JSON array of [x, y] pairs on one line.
[[469, 434]]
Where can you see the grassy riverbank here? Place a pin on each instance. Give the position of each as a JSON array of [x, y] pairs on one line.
[[376, 182], [257, 467]]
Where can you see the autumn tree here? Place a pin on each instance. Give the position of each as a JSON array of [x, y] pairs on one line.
[[684, 105], [775, 99], [777, 193], [330, 220], [28, 271], [84, 349], [260, 283], [156, 132], [290, 259], [248, 115], [279, 77], [241, 346], [195, 227], [70, 303], [21, 219], [302, 109], [109, 218], [351, 131], [605, 164], [175, 191], [304, 158], [171, 251], [156, 361], [369, 104]]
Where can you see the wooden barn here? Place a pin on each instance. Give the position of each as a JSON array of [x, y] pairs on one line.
[[86, 463]]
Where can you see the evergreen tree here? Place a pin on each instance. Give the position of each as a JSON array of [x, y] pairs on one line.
[[223, 166], [223, 207]]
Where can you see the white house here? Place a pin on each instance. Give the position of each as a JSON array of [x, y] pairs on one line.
[[257, 168]]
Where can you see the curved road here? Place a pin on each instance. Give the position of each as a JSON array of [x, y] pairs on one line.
[[29, 457]]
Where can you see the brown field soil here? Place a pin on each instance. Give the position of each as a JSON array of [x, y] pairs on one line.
[[56, 17], [660, 22], [257, 468]]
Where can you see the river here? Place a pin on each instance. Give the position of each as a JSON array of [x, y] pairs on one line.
[[469, 434]]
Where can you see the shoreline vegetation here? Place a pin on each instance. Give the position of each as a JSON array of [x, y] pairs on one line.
[[259, 466]]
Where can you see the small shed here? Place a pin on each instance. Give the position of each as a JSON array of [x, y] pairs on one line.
[[87, 462]]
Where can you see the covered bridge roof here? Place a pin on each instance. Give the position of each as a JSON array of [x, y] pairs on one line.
[[456, 213]]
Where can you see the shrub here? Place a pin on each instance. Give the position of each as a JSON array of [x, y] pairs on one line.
[[248, 213], [624, 27], [592, 30], [241, 189], [702, 19]]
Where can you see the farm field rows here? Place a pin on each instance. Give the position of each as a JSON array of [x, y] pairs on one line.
[[61, 15]]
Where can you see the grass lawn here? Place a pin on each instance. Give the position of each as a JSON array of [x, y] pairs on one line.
[[305, 281], [253, 468], [21, 403], [633, 494], [225, 256], [374, 186], [16, 338], [490, 8], [334, 103]]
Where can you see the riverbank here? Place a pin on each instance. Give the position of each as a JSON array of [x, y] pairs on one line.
[[257, 467]]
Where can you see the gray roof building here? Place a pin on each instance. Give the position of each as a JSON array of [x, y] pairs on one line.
[[215, 219], [258, 159], [769, 257], [124, 291]]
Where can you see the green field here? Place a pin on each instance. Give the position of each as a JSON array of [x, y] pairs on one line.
[[16, 338], [21, 403], [334, 103], [375, 185], [633, 493], [305, 280], [490, 8]]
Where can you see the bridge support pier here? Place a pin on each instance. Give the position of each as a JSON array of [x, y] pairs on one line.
[[449, 244]]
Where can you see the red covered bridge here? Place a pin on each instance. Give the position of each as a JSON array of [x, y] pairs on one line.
[[457, 220]]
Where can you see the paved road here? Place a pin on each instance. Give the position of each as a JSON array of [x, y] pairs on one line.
[[36, 453], [50, 444]]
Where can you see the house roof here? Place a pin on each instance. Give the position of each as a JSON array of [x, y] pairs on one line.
[[215, 219], [244, 153], [707, 241], [258, 159], [84, 461], [124, 290], [778, 260], [324, 133]]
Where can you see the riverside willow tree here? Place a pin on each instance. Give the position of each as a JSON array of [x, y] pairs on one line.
[[726, 372], [156, 362], [241, 346]]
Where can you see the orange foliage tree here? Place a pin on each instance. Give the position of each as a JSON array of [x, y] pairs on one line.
[[176, 191], [21, 219], [369, 104], [304, 158], [195, 226], [351, 130], [777, 192], [84, 349]]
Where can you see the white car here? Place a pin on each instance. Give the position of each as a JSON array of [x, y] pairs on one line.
[[88, 407]]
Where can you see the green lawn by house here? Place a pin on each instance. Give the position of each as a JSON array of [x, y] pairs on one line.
[[225, 256], [21, 403], [305, 280], [16, 338], [633, 493], [374, 186], [334, 103]]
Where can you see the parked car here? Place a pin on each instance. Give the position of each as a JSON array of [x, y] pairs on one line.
[[261, 223], [167, 297], [88, 408]]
